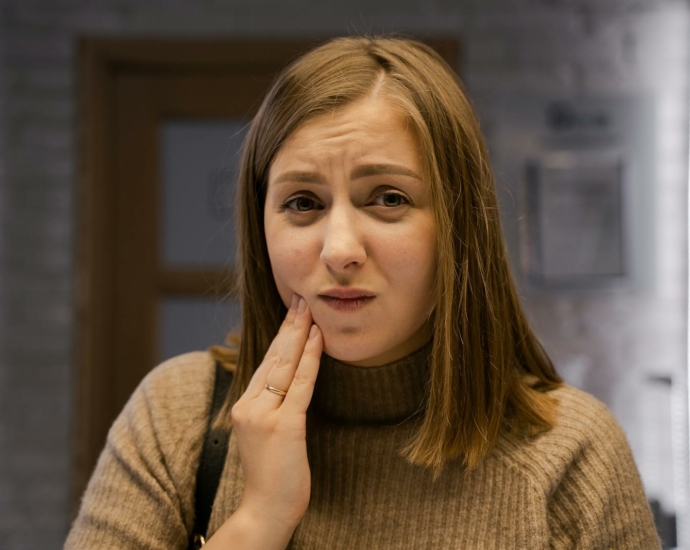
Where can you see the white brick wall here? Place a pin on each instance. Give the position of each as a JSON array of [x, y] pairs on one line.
[[516, 46]]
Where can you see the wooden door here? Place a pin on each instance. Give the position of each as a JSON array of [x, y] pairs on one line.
[[137, 97]]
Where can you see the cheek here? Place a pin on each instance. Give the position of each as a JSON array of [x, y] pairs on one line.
[[412, 259], [413, 274], [294, 259], [288, 261]]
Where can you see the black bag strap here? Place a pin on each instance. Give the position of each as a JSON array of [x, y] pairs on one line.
[[212, 461]]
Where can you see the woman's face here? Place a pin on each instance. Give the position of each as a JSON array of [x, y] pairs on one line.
[[347, 207]]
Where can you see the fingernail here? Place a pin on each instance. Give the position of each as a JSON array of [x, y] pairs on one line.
[[312, 332], [293, 306], [302, 306]]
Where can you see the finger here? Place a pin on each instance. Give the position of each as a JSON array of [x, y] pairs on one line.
[[283, 371], [258, 380], [302, 388]]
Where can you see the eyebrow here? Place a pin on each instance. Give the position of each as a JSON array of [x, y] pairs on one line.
[[363, 171], [366, 170]]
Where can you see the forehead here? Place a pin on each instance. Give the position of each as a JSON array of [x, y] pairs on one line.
[[371, 130], [367, 114]]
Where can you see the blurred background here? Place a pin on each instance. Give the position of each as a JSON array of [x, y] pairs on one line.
[[120, 122]]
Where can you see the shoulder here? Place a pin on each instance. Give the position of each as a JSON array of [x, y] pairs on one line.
[[149, 461], [584, 428], [584, 474], [181, 379], [582, 419], [179, 390], [171, 404]]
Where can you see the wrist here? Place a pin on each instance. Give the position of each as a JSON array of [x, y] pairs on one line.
[[246, 528], [262, 517]]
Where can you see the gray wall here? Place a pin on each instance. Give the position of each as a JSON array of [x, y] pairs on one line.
[[510, 46]]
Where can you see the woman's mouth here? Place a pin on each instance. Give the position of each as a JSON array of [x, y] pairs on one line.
[[351, 304]]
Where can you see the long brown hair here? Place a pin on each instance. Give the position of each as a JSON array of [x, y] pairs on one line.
[[489, 373]]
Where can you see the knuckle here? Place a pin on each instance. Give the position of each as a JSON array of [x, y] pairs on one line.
[[271, 353], [282, 363], [310, 351], [288, 321], [295, 320], [292, 424], [302, 379], [237, 413], [268, 362], [253, 419]]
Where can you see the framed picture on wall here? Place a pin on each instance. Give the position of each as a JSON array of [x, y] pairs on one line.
[[573, 230]]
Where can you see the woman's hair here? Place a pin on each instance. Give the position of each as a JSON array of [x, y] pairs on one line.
[[489, 374]]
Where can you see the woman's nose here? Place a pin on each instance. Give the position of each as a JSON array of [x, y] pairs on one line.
[[342, 242]]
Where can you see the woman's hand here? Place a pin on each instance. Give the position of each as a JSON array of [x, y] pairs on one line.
[[271, 429]]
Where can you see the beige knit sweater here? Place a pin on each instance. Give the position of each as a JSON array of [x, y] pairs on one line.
[[576, 486]]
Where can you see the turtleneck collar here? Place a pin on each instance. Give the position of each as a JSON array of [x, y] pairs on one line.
[[384, 394]]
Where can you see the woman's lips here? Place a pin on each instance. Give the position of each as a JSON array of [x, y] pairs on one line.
[[352, 304]]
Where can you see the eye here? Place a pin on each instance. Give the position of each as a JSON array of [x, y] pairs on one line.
[[301, 204], [393, 199]]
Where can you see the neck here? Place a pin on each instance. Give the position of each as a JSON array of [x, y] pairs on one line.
[[415, 342], [378, 394]]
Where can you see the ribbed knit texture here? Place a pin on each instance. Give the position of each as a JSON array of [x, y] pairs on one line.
[[575, 486]]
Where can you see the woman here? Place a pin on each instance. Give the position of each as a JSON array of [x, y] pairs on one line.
[[388, 391]]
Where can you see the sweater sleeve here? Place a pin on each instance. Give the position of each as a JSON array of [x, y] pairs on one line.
[[599, 502], [140, 494]]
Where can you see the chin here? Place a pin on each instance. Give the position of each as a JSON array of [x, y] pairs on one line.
[[345, 349], [340, 352], [350, 349]]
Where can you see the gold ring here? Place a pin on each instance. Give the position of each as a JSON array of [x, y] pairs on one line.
[[276, 391]]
